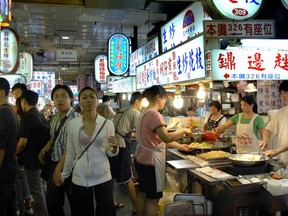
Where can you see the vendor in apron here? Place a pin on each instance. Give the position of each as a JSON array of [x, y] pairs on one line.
[[248, 126], [153, 137]]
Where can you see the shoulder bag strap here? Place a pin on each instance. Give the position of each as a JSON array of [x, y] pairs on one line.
[[90, 142], [58, 130]]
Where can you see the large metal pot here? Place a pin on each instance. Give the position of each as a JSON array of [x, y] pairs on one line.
[[247, 159], [197, 136]]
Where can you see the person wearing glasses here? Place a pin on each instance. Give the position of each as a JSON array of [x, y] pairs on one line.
[[278, 126], [62, 97], [152, 137]]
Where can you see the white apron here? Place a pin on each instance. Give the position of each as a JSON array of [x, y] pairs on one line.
[[247, 142], [158, 155]]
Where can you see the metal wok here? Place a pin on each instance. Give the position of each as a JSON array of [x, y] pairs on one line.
[[247, 160]]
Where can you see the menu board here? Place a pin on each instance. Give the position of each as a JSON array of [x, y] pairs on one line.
[[48, 78], [183, 63], [268, 96]]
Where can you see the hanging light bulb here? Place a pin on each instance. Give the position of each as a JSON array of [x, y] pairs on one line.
[[178, 100], [144, 102], [123, 96], [250, 88], [201, 92]]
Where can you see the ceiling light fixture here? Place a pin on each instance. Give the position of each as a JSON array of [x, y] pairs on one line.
[[65, 37], [178, 100]]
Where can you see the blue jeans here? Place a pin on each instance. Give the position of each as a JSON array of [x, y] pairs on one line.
[[37, 192]]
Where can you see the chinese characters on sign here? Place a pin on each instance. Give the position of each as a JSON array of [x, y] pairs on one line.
[[110, 81], [9, 51], [66, 55], [143, 54], [25, 65], [184, 26], [118, 54], [36, 86], [268, 96], [48, 78], [243, 29], [249, 65], [183, 63], [235, 9], [124, 85], [101, 70]]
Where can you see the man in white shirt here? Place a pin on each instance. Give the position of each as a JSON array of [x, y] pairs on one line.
[[279, 126], [125, 121]]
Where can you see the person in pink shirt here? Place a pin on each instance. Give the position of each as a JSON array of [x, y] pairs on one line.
[[153, 137]]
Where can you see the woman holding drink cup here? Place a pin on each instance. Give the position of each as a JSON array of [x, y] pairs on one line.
[[91, 176]]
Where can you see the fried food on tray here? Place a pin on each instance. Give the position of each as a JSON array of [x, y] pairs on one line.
[[202, 145], [214, 154]]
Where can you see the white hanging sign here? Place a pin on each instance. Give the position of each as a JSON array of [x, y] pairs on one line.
[[25, 65], [101, 70]]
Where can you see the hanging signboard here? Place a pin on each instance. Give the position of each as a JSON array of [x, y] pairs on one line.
[[66, 55], [37, 86], [118, 54], [14, 78], [143, 54], [240, 29], [183, 63], [249, 65], [285, 3], [110, 82], [101, 70], [25, 65], [9, 54], [5, 11], [232, 9], [184, 26], [91, 81], [47, 78], [124, 85], [268, 96], [81, 82]]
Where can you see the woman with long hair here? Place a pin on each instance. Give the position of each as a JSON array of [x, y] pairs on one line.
[[153, 137]]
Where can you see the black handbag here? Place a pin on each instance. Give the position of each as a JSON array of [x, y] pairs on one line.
[[68, 181], [45, 168]]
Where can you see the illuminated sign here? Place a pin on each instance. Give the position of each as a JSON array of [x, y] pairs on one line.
[[47, 78], [118, 54], [5, 10], [143, 54], [14, 78], [101, 70], [285, 3], [184, 26], [239, 29], [183, 63], [233, 9], [9, 51], [124, 85], [25, 65], [110, 81], [249, 65]]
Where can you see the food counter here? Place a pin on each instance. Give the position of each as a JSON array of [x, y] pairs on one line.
[[247, 198]]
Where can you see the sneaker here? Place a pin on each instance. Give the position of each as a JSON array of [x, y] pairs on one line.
[[28, 210]]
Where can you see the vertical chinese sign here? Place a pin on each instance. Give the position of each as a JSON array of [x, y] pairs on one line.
[[81, 82], [9, 54], [268, 96], [25, 65], [118, 54], [101, 70]]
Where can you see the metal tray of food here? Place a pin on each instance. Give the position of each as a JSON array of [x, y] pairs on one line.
[[210, 145]]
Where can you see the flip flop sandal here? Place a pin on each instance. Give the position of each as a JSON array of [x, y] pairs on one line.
[[118, 205]]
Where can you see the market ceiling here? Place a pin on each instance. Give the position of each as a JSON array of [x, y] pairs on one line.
[[40, 25]]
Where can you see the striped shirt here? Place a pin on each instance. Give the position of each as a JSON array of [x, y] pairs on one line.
[[60, 143]]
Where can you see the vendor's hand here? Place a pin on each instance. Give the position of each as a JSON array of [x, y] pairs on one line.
[[42, 155], [185, 147], [57, 180], [263, 144], [187, 131], [270, 153], [217, 130]]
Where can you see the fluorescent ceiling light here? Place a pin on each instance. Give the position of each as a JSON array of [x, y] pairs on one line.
[[65, 37]]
